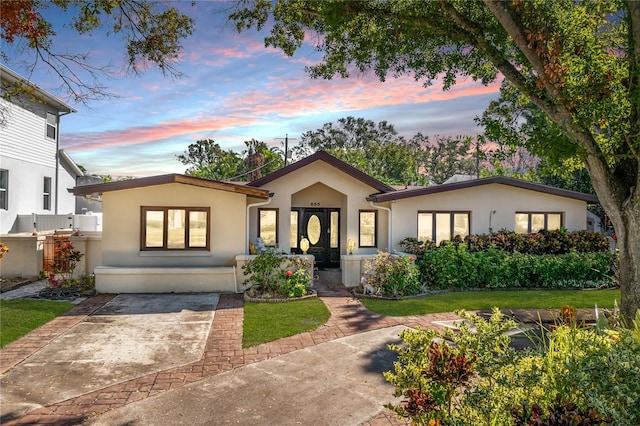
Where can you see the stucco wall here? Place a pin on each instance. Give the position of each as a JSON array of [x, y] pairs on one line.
[[121, 226], [481, 201], [320, 185]]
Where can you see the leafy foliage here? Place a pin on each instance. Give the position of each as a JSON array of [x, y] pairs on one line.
[[455, 267], [566, 371], [206, 159], [151, 31], [272, 274], [392, 275], [378, 150]]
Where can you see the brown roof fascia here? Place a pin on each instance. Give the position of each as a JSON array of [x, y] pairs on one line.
[[503, 180], [170, 178], [332, 161]]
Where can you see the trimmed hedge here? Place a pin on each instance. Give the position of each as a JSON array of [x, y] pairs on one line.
[[543, 242], [454, 266]]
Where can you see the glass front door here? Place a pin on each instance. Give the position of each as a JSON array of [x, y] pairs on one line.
[[322, 228]]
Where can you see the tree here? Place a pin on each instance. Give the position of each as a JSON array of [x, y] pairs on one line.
[[151, 31], [373, 148], [206, 159], [449, 156], [578, 62]]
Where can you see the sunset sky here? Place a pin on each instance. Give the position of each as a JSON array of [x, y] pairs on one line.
[[235, 89]]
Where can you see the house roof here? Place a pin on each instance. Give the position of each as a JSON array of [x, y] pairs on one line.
[[12, 77], [169, 178], [332, 161], [502, 180], [64, 156]]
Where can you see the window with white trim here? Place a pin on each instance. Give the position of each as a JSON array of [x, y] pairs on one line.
[[441, 226], [52, 125], [4, 189], [528, 222], [46, 193], [175, 228]]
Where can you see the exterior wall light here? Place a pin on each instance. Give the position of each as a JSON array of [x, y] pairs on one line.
[[304, 245], [351, 245]]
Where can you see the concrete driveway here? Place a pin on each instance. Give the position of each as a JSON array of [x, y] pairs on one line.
[[339, 382], [131, 336]]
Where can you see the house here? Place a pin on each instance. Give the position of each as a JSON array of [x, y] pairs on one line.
[[157, 229], [35, 174]]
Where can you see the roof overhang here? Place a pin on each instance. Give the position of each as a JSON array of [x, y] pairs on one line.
[[100, 188], [332, 161], [502, 180], [12, 77]]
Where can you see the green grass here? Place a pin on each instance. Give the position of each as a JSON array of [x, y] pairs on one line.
[[19, 317], [503, 299], [265, 322]]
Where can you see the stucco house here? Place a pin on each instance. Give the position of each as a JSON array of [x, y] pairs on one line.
[[179, 233], [35, 174]]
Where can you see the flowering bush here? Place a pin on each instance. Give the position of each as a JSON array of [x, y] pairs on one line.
[[392, 275], [272, 274], [3, 249]]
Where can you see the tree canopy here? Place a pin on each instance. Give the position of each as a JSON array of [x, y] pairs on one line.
[[151, 31], [206, 159], [378, 150], [578, 62]]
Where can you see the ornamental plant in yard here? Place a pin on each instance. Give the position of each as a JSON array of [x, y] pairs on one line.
[[572, 376], [272, 274], [61, 268], [392, 275], [3, 249]]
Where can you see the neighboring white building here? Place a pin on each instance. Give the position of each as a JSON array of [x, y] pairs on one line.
[[35, 174]]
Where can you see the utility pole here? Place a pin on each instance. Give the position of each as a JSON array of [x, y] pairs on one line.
[[286, 147]]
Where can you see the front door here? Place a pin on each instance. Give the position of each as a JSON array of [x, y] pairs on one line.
[[322, 228]]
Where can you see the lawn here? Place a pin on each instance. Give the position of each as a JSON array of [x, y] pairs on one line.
[[504, 299], [19, 317], [265, 322]]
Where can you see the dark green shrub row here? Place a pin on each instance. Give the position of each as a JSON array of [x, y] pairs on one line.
[[453, 266], [543, 242]]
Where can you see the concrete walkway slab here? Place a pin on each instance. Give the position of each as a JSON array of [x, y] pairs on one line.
[[338, 382], [132, 335]]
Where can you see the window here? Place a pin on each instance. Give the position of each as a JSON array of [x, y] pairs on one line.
[[528, 222], [4, 189], [268, 226], [293, 239], [175, 228], [367, 236], [442, 226], [334, 230], [52, 125], [46, 194]]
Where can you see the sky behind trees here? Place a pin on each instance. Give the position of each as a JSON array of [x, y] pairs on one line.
[[234, 89]]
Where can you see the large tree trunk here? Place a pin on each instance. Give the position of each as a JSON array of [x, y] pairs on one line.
[[627, 228]]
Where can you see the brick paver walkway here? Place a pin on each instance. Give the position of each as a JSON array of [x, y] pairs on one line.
[[223, 352]]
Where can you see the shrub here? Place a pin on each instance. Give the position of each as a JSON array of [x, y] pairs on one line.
[[271, 273], [543, 242], [392, 275], [572, 375], [455, 267]]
